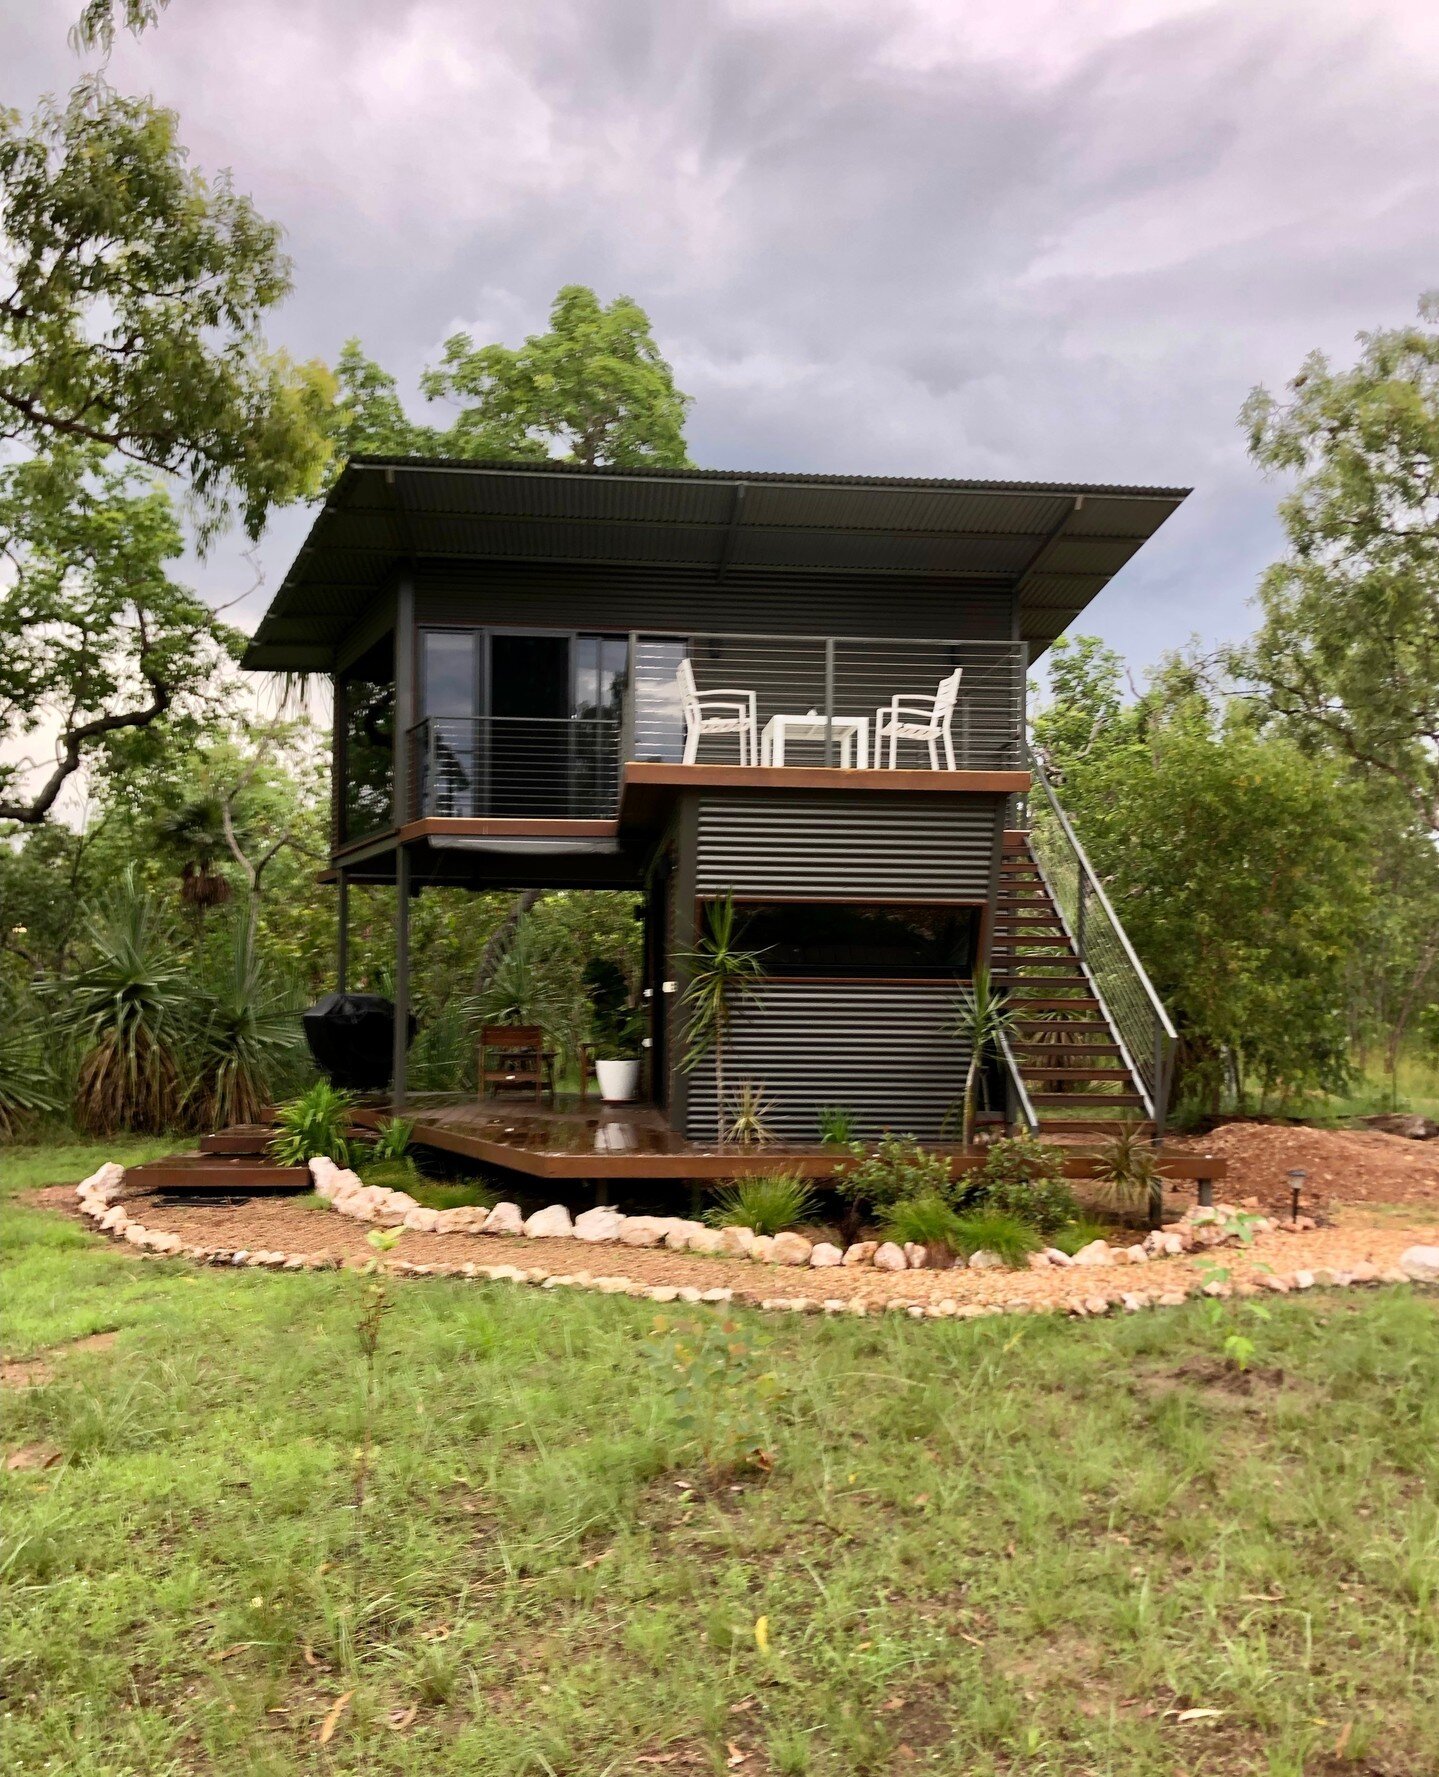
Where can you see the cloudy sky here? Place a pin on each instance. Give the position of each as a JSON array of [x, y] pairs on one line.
[[1014, 238]]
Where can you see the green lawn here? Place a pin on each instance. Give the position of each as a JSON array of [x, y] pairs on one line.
[[1005, 1546]]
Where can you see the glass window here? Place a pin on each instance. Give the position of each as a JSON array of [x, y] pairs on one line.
[[367, 693], [859, 941], [449, 679]]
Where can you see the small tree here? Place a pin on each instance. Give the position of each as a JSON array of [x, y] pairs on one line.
[[982, 1020], [721, 972]]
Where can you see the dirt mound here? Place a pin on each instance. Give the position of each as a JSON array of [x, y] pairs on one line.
[[1344, 1165]]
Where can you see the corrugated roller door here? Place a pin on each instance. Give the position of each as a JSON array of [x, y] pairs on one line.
[[886, 1053], [848, 847]]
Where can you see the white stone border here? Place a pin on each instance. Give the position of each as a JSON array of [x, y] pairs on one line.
[[99, 1200]]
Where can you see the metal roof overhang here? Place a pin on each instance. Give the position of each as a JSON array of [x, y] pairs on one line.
[[1057, 544]]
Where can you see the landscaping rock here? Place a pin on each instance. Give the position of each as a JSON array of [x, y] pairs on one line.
[[1098, 1252], [861, 1253], [1138, 1256], [553, 1223], [108, 1178], [1420, 1263], [762, 1248], [737, 1242], [984, 1260], [708, 1241], [889, 1257], [422, 1220], [824, 1254], [1039, 1261], [1056, 1257], [599, 1224], [642, 1231], [680, 1233], [505, 1218], [791, 1249], [916, 1256]]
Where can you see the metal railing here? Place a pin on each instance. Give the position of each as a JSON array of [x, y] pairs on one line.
[[1136, 1015], [526, 767], [829, 691]]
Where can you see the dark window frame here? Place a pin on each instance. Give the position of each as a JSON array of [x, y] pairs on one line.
[[934, 973]]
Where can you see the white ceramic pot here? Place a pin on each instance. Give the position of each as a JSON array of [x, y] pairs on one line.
[[619, 1080]]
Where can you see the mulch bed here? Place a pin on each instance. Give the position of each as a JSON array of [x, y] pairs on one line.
[[270, 1224]]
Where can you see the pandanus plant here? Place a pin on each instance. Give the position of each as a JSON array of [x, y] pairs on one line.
[[721, 973], [983, 1020]]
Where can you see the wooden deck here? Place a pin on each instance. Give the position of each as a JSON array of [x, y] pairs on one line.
[[589, 1140]]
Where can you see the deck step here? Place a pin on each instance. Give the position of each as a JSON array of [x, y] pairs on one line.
[[1070, 1101], [1027, 1050], [1109, 1075], [216, 1172], [1080, 1003], [1102, 1126], [243, 1138]]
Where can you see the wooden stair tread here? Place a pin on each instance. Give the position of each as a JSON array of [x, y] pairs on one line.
[[1069, 1101]]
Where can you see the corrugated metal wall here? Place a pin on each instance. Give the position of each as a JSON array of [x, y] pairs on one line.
[[847, 847], [884, 1052], [678, 600]]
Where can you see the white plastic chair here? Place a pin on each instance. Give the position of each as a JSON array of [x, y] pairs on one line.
[[919, 718], [720, 711]]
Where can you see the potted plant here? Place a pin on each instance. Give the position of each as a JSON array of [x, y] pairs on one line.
[[617, 1031]]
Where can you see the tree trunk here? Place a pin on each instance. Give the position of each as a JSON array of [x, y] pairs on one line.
[[967, 1128], [719, 1082]]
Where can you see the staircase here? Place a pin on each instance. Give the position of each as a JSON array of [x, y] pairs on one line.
[[1091, 1045]]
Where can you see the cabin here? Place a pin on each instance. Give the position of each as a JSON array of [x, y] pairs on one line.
[[804, 693]]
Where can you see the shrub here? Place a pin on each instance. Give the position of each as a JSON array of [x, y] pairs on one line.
[[1078, 1233], [1126, 1170], [454, 1194], [251, 1029], [991, 1231], [1023, 1177], [899, 1168], [313, 1125], [927, 1221], [836, 1125], [392, 1139], [722, 1384], [769, 1203], [399, 1174], [29, 1090], [130, 1010]]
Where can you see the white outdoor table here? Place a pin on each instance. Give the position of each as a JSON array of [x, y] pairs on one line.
[[852, 733]]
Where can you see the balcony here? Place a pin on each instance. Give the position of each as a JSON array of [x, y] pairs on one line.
[[801, 701]]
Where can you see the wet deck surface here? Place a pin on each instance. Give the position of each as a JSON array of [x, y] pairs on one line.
[[587, 1139]]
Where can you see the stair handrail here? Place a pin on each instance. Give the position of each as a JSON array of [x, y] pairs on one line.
[[1026, 1107], [1041, 777]]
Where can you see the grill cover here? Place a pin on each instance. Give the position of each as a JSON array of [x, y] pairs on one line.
[[351, 1036]]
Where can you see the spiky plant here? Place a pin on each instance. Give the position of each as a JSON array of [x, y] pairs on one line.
[[28, 1088], [129, 1009], [313, 1125], [983, 1018], [195, 831], [251, 1029], [748, 1123], [769, 1204], [1126, 1171], [721, 973]]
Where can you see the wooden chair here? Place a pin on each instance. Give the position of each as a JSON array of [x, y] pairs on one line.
[[513, 1058]]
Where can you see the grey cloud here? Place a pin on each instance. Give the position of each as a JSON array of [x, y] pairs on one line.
[[869, 240]]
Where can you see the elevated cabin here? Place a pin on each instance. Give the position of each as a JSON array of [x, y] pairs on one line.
[[683, 683]]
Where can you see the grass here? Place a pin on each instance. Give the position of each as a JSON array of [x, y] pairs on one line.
[[992, 1547], [770, 1203]]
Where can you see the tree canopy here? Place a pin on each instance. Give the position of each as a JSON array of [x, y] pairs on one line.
[[99, 638], [98, 23], [131, 320], [1348, 651], [594, 388]]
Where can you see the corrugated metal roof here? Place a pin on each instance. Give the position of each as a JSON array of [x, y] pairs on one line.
[[1058, 543]]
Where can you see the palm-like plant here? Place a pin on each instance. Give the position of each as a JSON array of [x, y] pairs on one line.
[[196, 831], [721, 973], [251, 1028], [28, 1088], [983, 1018], [129, 1010], [520, 991]]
